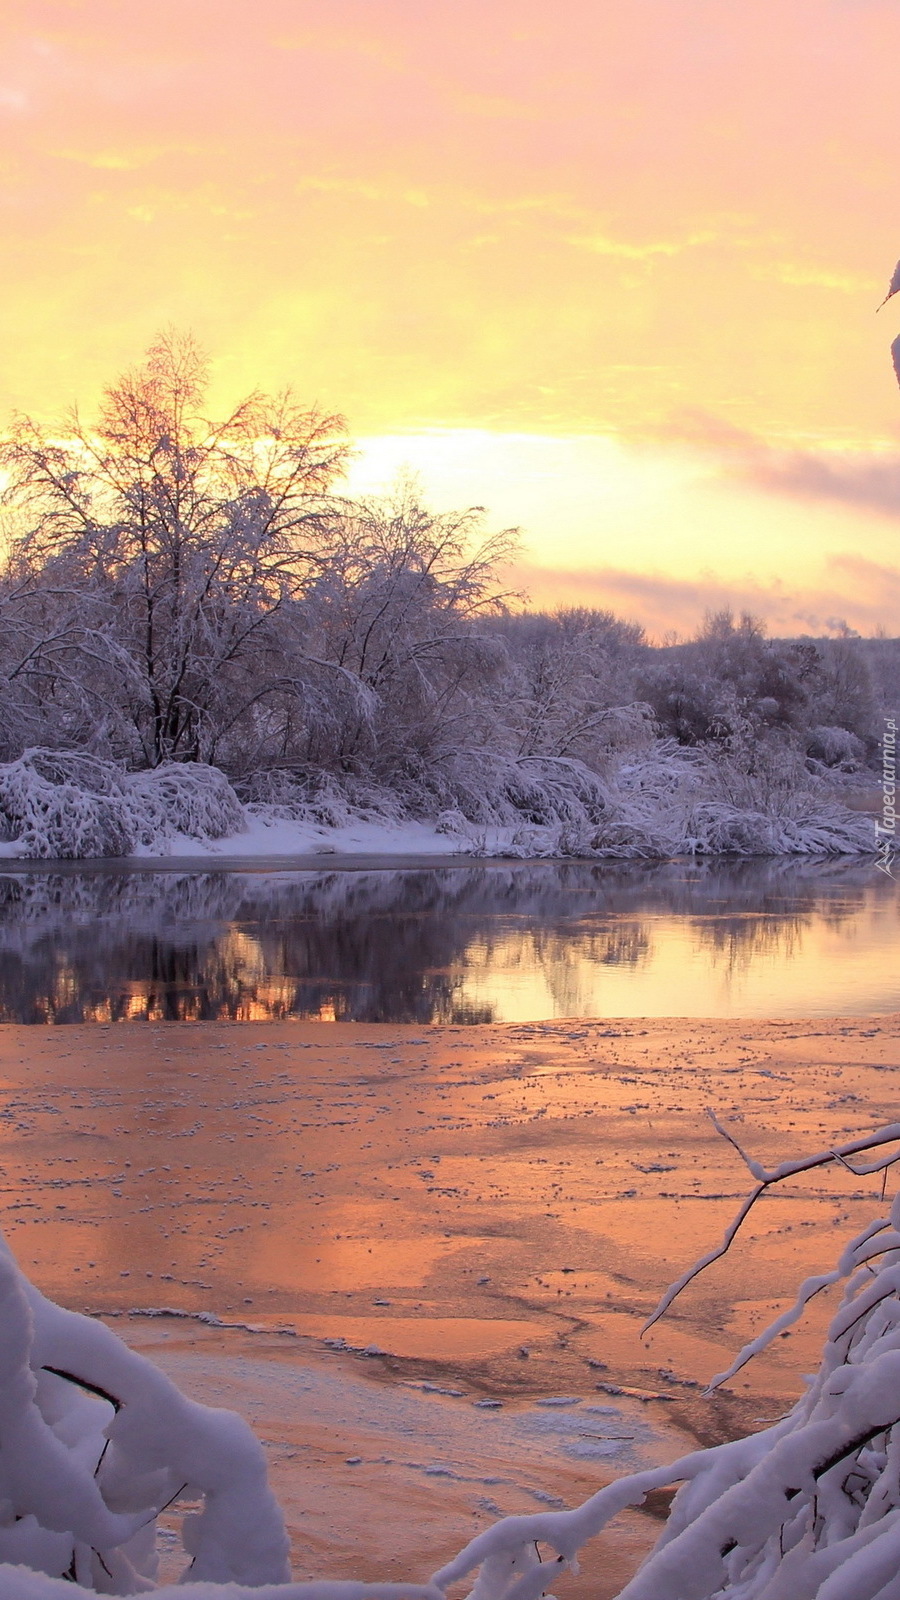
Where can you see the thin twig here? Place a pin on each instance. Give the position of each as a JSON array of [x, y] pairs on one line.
[[768, 1176]]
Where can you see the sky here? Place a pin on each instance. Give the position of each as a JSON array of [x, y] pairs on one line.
[[608, 268]]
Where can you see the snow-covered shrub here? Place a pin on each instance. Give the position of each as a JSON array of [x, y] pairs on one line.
[[58, 805], [836, 747], [95, 1442], [757, 801], [182, 797], [311, 795], [664, 801], [821, 829], [452, 822], [68, 805], [496, 790], [474, 790]]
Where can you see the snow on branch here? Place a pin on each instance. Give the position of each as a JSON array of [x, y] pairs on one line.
[[806, 1510], [95, 1443]]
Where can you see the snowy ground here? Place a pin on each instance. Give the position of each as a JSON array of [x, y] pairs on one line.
[[283, 837]]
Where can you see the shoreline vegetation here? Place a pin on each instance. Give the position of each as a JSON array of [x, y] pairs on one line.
[[203, 639], [668, 801]]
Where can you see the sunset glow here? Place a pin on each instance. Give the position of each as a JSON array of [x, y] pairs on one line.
[[610, 271]]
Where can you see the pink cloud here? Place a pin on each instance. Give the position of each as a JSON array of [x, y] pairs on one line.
[[862, 594]]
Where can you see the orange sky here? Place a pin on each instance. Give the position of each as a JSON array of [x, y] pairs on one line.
[[606, 266]]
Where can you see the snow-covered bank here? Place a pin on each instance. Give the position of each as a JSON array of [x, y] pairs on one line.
[[264, 836], [666, 802]]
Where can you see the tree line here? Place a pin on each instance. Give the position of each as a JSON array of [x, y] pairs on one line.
[[176, 589]]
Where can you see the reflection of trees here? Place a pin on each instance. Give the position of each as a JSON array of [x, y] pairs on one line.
[[567, 954], [743, 917], [569, 964], [381, 945], [366, 947], [735, 942]]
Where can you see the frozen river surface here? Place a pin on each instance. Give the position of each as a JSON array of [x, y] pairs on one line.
[[418, 1259]]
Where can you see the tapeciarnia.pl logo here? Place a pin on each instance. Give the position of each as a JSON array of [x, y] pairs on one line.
[[886, 829]]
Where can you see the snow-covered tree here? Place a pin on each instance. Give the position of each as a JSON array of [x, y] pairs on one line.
[[181, 538], [731, 675], [569, 690], [401, 620]]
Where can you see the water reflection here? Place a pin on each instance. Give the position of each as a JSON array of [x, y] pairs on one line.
[[450, 944]]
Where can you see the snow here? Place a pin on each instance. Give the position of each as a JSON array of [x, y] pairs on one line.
[[265, 836], [19, 1584], [94, 1441]]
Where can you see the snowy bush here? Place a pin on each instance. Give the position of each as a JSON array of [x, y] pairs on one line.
[[312, 796], [492, 789], [452, 822], [182, 797], [64, 806], [836, 747], [666, 801], [68, 805]]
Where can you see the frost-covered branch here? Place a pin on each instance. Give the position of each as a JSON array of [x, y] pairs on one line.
[[766, 1178], [94, 1442]]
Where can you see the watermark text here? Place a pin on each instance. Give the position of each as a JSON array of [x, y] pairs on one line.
[[886, 829]]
